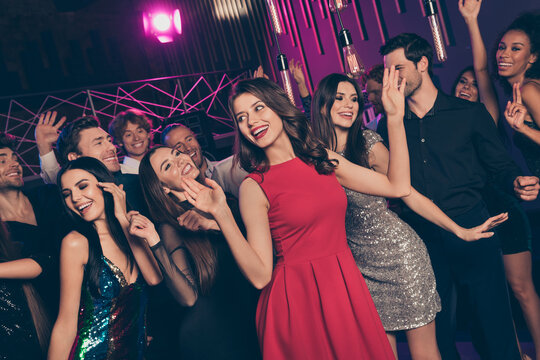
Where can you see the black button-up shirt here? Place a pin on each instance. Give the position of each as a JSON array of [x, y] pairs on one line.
[[452, 151]]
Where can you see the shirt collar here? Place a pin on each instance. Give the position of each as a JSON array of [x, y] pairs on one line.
[[210, 166], [129, 161], [437, 105]]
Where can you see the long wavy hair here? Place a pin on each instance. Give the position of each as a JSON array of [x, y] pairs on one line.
[[305, 144], [88, 230], [8, 252], [323, 126], [166, 208]]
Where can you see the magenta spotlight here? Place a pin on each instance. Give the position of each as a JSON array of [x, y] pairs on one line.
[[177, 21], [161, 22], [163, 25]]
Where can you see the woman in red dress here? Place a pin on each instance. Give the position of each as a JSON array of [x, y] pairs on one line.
[[314, 303]]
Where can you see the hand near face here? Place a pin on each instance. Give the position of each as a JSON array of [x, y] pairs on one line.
[[194, 221], [393, 93], [47, 131], [469, 9], [205, 198], [482, 231], [119, 197], [143, 228], [526, 187]]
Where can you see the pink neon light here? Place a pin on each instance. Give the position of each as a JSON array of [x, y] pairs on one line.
[[145, 23], [164, 39], [161, 22], [177, 21]]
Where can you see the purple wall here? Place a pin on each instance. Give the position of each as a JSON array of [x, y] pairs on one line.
[[371, 22], [494, 17]]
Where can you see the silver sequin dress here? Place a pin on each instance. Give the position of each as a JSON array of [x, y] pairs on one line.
[[393, 259]]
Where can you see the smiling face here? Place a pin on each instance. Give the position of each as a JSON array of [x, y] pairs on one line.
[[183, 139], [95, 142], [171, 165], [82, 194], [407, 69], [466, 87], [344, 110], [514, 55], [259, 124], [135, 140], [10, 169]]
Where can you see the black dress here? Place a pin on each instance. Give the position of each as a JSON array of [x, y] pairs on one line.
[[221, 324], [529, 149], [18, 338], [42, 242]]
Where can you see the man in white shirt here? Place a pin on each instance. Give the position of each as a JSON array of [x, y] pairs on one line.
[[131, 130], [224, 172], [83, 137]]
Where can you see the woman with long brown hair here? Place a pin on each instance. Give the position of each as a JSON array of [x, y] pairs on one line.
[[314, 302], [105, 267], [198, 267], [25, 328]]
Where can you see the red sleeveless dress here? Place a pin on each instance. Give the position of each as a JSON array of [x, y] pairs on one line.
[[317, 305]]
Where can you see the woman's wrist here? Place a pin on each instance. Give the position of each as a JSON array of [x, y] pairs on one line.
[[153, 240], [123, 220], [221, 213]]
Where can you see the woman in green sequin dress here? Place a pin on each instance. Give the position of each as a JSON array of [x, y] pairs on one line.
[[103, 273]]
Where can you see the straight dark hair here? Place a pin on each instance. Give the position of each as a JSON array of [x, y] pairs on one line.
[[68, 140], [165, 209], [323, 126], [88, 230], [414, 46], [40, 318], [305, 144]]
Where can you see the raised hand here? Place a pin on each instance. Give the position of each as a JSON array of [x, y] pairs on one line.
[[469, 9], [515, 111], [194, 221], [259, 73], [393, 93], [143, 228], [46, 132], [205, 198], [482, 231], [297, 71], [119, 197]]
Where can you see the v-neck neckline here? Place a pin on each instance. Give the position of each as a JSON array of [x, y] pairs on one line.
[[119, 274]]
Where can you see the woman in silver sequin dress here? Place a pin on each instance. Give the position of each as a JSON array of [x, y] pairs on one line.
[[390, 255]]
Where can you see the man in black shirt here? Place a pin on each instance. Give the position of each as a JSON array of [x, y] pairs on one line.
[[453, 148], [36, 222]]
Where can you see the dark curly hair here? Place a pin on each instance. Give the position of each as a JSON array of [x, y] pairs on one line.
[[117, 127], [305, 144], [323, 126], [529, 24]]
